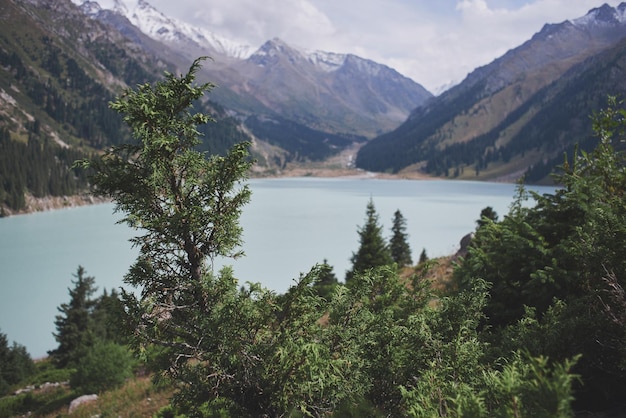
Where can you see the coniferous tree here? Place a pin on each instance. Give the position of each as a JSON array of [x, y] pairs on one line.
[[373, 250], [486, 215], [559, 263], [399, 246], [326, 280], [74, 331], [423, 256], [107, 318], [15, 364], [243, 351]]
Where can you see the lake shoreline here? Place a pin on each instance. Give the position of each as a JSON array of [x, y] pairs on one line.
[[44, 204], [48, 203]]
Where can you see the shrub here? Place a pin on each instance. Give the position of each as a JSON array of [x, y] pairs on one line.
[[105, 366]]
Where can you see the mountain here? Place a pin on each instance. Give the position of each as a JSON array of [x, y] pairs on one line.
[[58, 72], [334, 93], [329, 92], [518, 114]]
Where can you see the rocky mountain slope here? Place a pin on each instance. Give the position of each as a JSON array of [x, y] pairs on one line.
[[58, 72], [516, 115]]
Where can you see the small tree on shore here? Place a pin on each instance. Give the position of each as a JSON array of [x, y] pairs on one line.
[[373, 250], [73, 324], [15, 364], [398, 244]]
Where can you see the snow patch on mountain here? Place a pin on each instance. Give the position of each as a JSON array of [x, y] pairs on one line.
[[326, 61]]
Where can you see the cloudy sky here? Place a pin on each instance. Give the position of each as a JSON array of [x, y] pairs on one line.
[[434, 42]]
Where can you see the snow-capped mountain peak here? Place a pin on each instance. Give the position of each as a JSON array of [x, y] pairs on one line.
[[603, 15], [166, 29]]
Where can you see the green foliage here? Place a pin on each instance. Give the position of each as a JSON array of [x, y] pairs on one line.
[[423, 257], [326, 281], [530, 386], [46, 371], [487, 215], [107, 318], [35, 404], [373, 250], [86, 319], [38, 167], [558, 266], [104, 366], [15, 364], [398, 244], [74, 323], [380, 346]]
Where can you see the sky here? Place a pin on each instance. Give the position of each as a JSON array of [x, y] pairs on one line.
[[434, 42]]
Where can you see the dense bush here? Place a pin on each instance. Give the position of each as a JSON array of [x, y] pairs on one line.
[[105, 366], [559, 268]]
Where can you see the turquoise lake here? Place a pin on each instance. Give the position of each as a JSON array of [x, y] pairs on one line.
[[290, 225]]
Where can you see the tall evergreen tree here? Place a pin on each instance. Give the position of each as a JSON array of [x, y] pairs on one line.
[[74, 323], [399, 246], [373, 250]]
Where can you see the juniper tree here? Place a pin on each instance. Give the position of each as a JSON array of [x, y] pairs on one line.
[[187, 204], [398, 244], [242, 350]]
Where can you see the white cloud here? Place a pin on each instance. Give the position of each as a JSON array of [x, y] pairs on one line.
[[433, 42], [256, 22]]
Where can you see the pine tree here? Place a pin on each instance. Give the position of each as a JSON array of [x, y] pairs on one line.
[[326, 280], [15, 364], [486, 215], [423, 256], [107, 318], [74, 323], [399, 246], [373, 250]]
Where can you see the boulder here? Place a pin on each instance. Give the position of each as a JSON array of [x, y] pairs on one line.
[[81, 400]]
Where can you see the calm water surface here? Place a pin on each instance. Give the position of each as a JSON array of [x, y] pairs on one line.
[[290, 225]]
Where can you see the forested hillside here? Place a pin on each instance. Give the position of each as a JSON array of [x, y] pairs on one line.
[[301, 143], [518, 115], [58, 73], [55, 99]]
